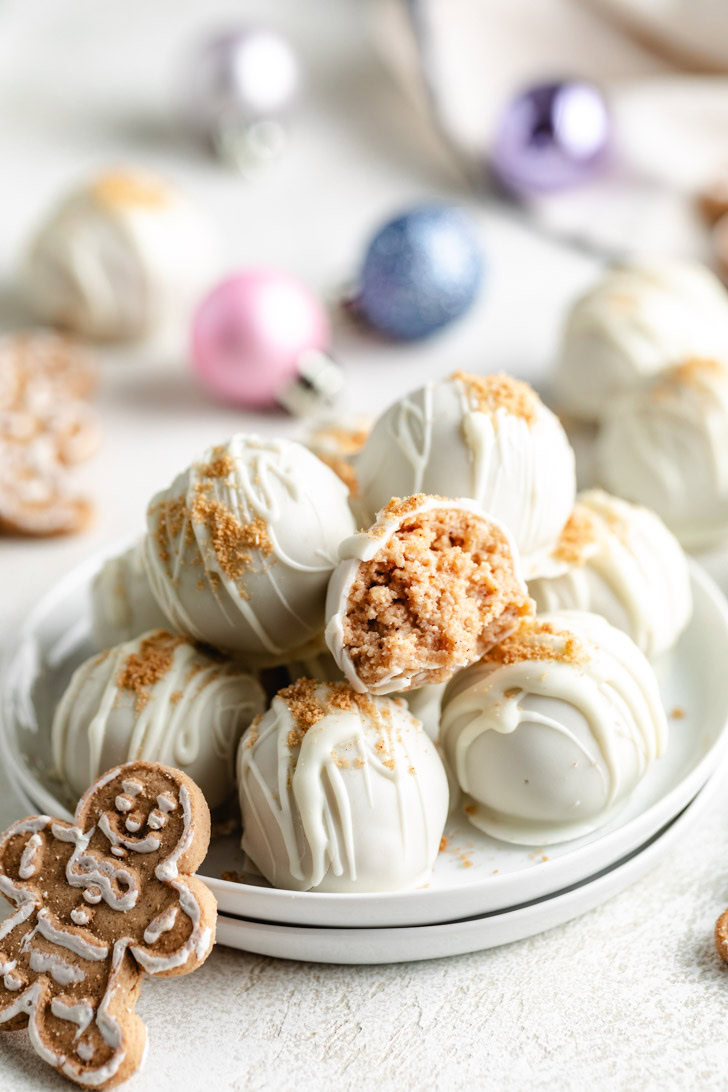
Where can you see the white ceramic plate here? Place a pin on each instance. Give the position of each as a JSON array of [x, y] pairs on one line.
[[475, 874], [458, 937]]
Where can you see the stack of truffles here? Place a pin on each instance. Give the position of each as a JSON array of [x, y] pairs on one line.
[[644, 356], [253, 577]]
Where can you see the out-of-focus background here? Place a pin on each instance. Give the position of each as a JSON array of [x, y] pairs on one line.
[[84, 86], [398, 104]]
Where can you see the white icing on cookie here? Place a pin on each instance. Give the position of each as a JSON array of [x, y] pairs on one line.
[[150, 844], [63, 972], [161, 924], [30, 858], [80, 1013]]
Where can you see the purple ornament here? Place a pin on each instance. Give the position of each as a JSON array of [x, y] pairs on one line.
[[551, 136], [237, 89]]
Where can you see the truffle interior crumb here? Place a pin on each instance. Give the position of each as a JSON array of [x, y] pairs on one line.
[[490, 393], [537, 640], [142, 669], [437, 595]]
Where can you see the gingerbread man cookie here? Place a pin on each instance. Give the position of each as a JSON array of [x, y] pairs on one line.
[[98, 904]]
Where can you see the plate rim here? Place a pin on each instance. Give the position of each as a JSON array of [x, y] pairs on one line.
[[344, 904], [467, 933]]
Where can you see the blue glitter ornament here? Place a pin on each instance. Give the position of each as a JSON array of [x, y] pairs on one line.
[[421, 271]]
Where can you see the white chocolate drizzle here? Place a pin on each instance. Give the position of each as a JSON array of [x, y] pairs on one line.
[[195, 712], [311, 805]]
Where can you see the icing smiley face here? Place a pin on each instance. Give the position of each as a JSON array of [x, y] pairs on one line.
[[96, 904]]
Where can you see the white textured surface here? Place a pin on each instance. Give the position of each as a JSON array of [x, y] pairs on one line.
[[630, 996]]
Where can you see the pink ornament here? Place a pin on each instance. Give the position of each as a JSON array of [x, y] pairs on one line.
[[261, 338]]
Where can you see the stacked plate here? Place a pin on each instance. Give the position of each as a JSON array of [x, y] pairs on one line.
[[483, 893]]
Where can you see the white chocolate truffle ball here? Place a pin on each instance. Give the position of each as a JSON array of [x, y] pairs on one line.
[[241, 546], [123, 255], [636, 321], [489, 438], [666, 447], [429, 588], [619, 560], [157, 698], [551, 732], [122, 604], [340, 792]]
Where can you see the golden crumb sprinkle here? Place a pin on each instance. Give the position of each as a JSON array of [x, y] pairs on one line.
[[537, 640], [231, 540], [123, 188], [697, 372], [490, 393], [443, 844], [310, 701], [141, 670], [579, 533], [221, 465], [335, 438], [678, 713]]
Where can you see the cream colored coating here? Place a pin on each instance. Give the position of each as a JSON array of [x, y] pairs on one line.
[[120, 256], [551, 732], [340, 792], [240, 548], [666, 447], [157, 698], [489, 438], [122, 604], [622, 563], [636, 321]]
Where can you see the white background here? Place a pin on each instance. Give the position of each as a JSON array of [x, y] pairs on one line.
[[630, 996]]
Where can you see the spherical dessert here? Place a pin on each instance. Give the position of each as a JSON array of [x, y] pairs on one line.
[[119, 257], [122, 604], [485, 437], [619, 560], [427, 590], [666, 446], [341, 792], [636, 321], [157, 698], [241, 546], [337, 444], [552, 731]]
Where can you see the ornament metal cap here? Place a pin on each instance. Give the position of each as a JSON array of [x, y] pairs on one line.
[[317, 382]]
